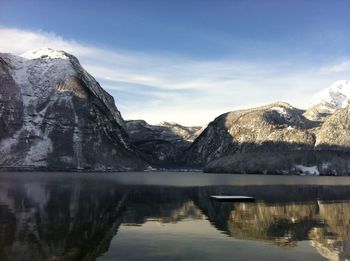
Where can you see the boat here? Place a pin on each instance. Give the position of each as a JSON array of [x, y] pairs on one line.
[[232, 198]]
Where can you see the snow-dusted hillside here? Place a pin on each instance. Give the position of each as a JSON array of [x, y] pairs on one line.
[[265, 128], [328, 100], [55, 115], [275, 139]]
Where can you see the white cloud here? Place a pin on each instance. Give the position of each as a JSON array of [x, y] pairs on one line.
[[341, 67], [19, 41], [173, 88]]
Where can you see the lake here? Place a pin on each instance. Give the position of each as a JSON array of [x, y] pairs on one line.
[[170, 216]]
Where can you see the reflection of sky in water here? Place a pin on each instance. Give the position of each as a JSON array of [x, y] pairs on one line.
[[167, 217]]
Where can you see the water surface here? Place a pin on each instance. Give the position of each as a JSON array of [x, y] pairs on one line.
[[169, 216]]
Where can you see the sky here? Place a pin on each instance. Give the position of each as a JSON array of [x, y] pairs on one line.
[[190, 61]]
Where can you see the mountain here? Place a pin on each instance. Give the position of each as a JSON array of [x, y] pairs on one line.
[[278, 127], [163, 144], [329, 100], [56, 116], [275, 139]]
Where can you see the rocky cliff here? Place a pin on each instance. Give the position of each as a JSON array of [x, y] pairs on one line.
[[55, 115], [163, 144]]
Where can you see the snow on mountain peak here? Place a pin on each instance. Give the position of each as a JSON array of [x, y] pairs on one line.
[[333, 97], [45, 53]]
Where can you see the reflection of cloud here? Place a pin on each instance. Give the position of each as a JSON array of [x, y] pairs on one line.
[[178, 89]]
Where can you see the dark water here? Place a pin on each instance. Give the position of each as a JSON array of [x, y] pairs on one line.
[[147, 216]]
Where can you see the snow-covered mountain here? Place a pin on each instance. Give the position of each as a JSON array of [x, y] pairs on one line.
[[55, 115], [328, 100]]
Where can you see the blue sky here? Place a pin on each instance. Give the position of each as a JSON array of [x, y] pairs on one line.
[[189, 61]]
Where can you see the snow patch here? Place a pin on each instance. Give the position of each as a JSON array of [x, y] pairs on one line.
[[312, 170], [47, 53], [326, 165], [283, 113], [280, 110]]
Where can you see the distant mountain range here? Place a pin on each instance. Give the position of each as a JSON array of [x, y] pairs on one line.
[[55, 116]]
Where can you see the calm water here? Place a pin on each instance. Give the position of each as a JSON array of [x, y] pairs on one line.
[[169, 216]]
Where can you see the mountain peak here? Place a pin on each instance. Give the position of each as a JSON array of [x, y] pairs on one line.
[[45, 52], [335, 96], [329, 100]]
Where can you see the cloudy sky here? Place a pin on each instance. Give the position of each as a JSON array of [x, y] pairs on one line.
[[189, 61]]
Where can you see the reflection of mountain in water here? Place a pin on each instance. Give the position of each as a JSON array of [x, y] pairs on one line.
[[51, 222], [281, 224], [333, 240], [75, 219]]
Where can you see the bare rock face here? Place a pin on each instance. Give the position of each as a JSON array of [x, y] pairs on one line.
[[54, 115], [163, 144]]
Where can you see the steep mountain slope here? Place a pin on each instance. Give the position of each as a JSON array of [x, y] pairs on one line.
[[328, 100], [54, 115], [163, 144]]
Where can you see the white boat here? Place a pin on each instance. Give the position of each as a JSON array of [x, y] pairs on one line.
[[232, 198]]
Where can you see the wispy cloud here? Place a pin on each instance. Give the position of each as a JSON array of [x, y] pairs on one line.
[[173, 88], [341, 67]]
